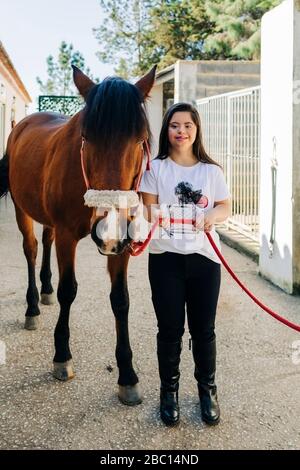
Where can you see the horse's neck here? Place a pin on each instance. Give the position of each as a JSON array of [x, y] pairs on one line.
[[68, 137]]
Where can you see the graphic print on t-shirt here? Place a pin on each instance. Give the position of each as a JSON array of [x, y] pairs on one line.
[[187, 195]]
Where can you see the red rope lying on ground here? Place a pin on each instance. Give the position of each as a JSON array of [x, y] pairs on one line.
[[294, 326]]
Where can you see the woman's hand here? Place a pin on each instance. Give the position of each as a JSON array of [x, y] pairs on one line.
[[220, 212], [209, 220], [206, 222], [164, 222]]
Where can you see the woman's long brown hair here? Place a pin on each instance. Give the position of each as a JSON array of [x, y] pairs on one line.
[[198, 148]]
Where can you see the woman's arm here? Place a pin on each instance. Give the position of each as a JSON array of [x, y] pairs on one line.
[[150, 202], [220, 212]]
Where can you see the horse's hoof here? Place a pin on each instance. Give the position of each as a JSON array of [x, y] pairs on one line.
[[63, 370], [48, 299], [130, 395], [31, 323]]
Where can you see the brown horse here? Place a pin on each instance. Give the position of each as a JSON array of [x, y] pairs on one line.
[[42, 170]]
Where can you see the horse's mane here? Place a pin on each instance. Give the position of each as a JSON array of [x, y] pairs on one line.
[[114, 113]]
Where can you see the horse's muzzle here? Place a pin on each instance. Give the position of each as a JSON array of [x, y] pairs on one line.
[[110, 230], [110, 238]]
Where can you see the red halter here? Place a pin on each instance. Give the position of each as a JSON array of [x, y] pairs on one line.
[[134, 248]]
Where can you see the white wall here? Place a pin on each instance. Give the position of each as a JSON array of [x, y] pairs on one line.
[[7, 98], [185, 86], [296, 150], [280, 32]]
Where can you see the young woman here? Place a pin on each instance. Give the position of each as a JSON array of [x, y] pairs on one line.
[[184, 271]]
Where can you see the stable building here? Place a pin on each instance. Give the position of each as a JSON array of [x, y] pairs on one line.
[[14, 98], [191, 80]]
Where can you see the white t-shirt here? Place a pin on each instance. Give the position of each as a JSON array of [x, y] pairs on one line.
[[175, 184]]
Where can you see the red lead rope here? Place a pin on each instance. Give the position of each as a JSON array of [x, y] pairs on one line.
[[140, 246], [294, 326]]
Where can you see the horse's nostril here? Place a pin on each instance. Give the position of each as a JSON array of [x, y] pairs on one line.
[[121, 246]]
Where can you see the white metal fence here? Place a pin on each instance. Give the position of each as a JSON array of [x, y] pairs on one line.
[[231, 132]]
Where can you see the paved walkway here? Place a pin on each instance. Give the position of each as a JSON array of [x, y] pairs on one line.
[[258, 382]]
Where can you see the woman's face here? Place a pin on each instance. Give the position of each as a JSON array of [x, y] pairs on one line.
[[182, 130]]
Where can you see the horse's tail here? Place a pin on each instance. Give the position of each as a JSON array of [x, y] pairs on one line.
[[4, 179]]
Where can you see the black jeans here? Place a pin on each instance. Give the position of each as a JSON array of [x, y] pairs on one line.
[[184, 280]]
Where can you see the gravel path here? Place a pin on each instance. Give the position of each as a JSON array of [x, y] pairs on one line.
[[258, 382]]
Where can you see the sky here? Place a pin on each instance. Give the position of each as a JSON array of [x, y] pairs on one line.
[[31, 30]]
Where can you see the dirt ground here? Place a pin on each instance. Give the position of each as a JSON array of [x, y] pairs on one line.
[[258, 369]]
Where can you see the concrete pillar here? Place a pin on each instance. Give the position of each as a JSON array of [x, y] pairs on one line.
[[185, 81], [280, 146]]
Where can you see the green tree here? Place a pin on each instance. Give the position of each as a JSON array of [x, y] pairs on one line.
[[122, 35], [179, 30], [60, 76], [237, 27], [136, 34]]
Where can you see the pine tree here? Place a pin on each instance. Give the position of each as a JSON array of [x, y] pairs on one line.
[[122, 35], [60, 76], [180, 29], [140, 33], [237, 27], [136, 34]]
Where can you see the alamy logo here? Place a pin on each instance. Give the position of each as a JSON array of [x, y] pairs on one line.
[[2, 353]]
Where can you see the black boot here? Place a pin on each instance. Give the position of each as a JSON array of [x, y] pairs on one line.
[[168, 362], [205, 369]]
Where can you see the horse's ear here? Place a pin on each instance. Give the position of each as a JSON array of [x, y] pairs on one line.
[[82, 82], [146, 82]]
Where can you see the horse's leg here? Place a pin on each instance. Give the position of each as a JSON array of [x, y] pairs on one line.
[[25, 224], [129, 393], [47, 294], [66, 293]]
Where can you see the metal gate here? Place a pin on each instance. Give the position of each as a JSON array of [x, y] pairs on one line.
[[231, 132], [68, 105]]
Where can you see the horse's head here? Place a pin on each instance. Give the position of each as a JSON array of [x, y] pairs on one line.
[[114, 129]]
